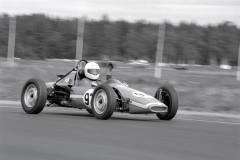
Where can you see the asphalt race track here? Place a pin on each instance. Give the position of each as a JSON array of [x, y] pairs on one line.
[[70, 134]]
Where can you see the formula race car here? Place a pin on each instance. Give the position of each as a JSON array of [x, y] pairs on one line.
[[80, 88]]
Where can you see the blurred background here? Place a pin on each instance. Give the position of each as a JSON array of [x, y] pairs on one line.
[[199, 54]]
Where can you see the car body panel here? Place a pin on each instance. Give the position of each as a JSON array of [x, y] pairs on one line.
[[67, 80], [140, 102], [81, 96]]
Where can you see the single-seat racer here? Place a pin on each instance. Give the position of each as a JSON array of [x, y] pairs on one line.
[[81, 88]]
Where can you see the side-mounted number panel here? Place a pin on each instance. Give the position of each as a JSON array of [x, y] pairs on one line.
[[87, 97]]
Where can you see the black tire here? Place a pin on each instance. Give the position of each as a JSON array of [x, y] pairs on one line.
[[34, 96], [103, 101], [167, 95]]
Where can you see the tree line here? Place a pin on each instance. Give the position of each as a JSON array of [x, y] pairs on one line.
[[40, 37]]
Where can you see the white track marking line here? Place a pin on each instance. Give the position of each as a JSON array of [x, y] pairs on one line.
[[225, 115], [51, 109], [185, 119], [9, 107], [209, 121]]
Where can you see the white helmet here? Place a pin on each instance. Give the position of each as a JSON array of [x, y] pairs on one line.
[[92, 70]]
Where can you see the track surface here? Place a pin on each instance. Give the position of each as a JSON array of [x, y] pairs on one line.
[[68, 134]]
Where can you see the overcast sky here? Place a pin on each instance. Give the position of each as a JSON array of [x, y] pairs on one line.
[[202, 12]]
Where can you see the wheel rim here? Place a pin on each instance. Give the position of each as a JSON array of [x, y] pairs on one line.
[[30, 95], [100, 101], [165, 98]]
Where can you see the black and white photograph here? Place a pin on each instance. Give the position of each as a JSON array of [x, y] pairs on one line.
[[119, 80]]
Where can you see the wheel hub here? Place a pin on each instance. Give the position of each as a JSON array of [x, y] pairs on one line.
[[100, 101], [30, 95]]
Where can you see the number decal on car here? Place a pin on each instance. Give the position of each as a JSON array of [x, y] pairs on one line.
[[87, 97], [140, 94]]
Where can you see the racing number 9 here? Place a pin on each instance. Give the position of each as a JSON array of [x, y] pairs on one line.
[[87, 98]]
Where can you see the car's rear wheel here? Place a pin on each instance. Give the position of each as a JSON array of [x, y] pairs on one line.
[[103, 102], [167, 95], [34, 96]]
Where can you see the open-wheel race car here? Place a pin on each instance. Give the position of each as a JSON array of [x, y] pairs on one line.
[[80, 88]]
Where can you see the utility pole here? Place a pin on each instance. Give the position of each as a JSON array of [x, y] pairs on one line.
[[80, 33], [11, 39], [159, 54], [238, 67]]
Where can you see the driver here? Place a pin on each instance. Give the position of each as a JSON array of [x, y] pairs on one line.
[[92, 70], [90, 73]]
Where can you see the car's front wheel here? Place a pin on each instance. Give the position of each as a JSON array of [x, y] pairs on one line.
[[167, 95], [103, 102], [34, 96]]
